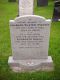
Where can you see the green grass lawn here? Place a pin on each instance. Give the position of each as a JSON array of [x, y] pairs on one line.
[[10, 11]]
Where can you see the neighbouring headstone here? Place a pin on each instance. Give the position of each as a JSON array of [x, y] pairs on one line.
[[56, 13], [25, 7], [42, 3], [30, 43]]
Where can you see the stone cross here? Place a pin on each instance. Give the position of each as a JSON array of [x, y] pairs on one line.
[[25, 7]]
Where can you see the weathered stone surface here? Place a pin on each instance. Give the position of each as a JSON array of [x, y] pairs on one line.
[[30, 37], [42, 3], [25, 7], [30, 43], [31, 65]]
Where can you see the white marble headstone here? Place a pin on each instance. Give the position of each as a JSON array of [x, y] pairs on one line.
[[25, 7], [30, 37], [30, 43]]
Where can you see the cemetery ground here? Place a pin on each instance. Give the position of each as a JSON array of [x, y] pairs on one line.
[[9, 11]]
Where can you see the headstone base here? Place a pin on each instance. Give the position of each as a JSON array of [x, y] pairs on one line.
[[31, 65]]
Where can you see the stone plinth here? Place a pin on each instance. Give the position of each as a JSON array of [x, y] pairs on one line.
[[31, 65]]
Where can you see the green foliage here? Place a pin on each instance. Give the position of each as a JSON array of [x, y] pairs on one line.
[[2, 1]]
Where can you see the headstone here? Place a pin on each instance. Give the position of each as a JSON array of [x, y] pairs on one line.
[[30, 43], [25, 7], [42, 3], [56, 13]]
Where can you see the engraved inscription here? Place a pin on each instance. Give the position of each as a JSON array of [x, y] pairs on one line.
[[30, 37], [29, 34]]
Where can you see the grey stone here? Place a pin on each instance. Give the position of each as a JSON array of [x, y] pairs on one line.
[[30, 43], [30, 34], [31, 65], [42, 3]]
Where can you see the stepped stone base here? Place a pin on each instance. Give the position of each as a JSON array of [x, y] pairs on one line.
[[31, 65]]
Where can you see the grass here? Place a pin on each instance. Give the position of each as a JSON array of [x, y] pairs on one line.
[[9, 11]]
